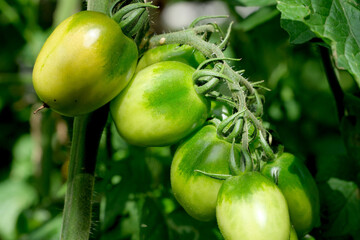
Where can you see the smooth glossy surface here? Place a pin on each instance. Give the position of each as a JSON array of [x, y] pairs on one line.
[[299, 189], [160, 106], [251, 207], [293, 235], [171, 52], [85, 63], [196, 192]]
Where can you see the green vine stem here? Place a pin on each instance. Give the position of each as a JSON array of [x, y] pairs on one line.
[[192, 37], [333, 81], [87, 132]]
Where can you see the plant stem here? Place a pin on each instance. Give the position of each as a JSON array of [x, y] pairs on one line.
[[210, 50], [77, 211], [47, 131], [333, 81]]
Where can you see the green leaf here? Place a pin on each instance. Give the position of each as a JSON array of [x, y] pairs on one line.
[[152, 225], [22, 165], [259, 17], [253, 2], [333, 21], [50, 230], [342, 203], [184, 227], [15, 196]]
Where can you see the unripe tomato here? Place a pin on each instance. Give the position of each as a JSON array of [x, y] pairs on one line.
[[160, 106], [252, 207], [299, 189], [293, 235], [85, 62], [196, 192], [171, 52]]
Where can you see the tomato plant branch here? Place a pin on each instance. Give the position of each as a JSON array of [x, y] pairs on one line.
[[234, 79], [210, 50], [87, 132]]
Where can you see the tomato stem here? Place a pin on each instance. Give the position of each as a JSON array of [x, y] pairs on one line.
[[43, 106], [87, 132], [234, 167], [333, 81], [239, 86], [268, 151]]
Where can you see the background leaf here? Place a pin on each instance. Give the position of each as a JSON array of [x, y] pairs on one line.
[[342, 200], [334, 21], [253, 2], [15, 196]]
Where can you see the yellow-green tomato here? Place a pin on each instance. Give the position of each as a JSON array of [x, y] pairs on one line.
[[85, 63], [196, 192], [171, 52], [293, 235], [160, 106], [299, 189], [252, 207]]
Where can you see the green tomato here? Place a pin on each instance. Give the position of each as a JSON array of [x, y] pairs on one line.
[[293, 235], [160, 106], [299, 189], [85, 63], [308, 237], [171, 52], [252, 207], [196, 192]]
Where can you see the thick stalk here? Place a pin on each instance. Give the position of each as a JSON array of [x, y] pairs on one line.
[[87, 132]]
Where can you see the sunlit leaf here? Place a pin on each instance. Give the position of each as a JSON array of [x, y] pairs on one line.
[[15, 196], [342, 199], [334, 21]]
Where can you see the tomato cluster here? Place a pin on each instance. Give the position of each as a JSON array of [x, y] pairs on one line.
[[88, 62], [254, 205]]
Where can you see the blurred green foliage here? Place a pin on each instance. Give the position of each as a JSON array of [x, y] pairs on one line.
[[132, 198]]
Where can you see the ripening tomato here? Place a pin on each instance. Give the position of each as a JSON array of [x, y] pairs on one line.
[[293, 235], [299, 189], [85, 63], [196, 192], [252, 207], [160, 106]]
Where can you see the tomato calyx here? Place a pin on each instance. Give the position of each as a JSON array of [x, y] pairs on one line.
[[132, 17], [214, 175], [238, 166]]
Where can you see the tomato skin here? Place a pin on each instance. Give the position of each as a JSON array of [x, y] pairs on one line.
[[171, 52], [299, 189], [293, 235], [160, 106], [196, 192], [85, 62], [252, 207]]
